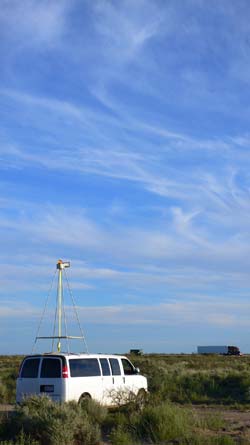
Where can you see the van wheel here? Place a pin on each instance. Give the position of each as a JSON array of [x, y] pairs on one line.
[[84, 397], [141, 398]]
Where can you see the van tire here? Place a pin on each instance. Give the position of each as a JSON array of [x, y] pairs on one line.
[[84, 396], [141, 398]]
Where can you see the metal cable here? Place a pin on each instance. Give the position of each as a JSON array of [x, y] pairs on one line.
[[43, 313], [76, 314], [54, 326]]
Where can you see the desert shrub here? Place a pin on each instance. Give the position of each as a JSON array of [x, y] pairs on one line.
[[204, 387], [8, 373], [179, 384], [224, 440], [52, 424], [180, 379], [119, 436], [155, 370], [3, 393], [9, 382], [153, 424], [210, 421], [96, 412], [120, 424], [164, 422], [197, 379], [22, 439], [211, 440]]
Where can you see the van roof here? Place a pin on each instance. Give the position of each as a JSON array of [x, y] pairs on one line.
[[76, 355]]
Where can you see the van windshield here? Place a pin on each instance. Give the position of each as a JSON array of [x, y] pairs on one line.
[[128, 367], [84, 367]]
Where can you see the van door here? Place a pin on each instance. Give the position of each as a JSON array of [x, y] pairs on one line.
[[51, 382], [85, 379], [130, 376], [28, 382], [107, 381], [118, 394]]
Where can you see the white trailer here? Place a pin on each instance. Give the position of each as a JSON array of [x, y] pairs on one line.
[[221, 350]]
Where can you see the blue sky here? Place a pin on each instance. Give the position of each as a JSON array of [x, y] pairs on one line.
[[124, 148]]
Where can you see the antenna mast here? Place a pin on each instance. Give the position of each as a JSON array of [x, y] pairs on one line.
[[60, 266]]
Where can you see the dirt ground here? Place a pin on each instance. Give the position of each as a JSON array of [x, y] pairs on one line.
[[6, 408], [237, 422]]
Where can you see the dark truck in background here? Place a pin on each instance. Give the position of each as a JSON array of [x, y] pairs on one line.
[[221, 350]]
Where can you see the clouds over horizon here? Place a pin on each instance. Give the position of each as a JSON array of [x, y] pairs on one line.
[[195, 312]]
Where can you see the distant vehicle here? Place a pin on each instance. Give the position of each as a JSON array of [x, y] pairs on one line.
[[136, 351], [108, 379], [221, 350]]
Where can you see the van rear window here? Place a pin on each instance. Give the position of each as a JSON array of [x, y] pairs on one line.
[[30, 368], [84, 367], [51, 368]]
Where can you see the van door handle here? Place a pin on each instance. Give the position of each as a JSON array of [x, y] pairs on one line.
[[123, 379], [113, 380]]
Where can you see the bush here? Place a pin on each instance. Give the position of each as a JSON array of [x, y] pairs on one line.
[[3, 392], [119, 436], [197, 379], [164, 422], [210, 421], [208, 440], [52, 424], [97, 413], [179, 379], [22, 439], [8, 374]]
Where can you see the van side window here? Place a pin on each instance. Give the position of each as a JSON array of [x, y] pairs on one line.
[[105, 366], [127, 367], [51, 368], [30, 368], [84, 367], [115, 366]]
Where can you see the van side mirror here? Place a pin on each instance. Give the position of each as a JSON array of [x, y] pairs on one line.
[[137, 371]]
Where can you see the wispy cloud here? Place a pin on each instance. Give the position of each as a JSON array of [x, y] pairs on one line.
[[31, 24], [127, 27], [188, 255], [126, 163], [217, 313]]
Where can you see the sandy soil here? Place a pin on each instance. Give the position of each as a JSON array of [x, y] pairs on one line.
[[6, 408], [237, 422]]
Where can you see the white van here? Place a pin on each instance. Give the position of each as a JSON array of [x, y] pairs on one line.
[[108, 379]]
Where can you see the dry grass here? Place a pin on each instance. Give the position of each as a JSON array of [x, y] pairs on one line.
[[191, 399]]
